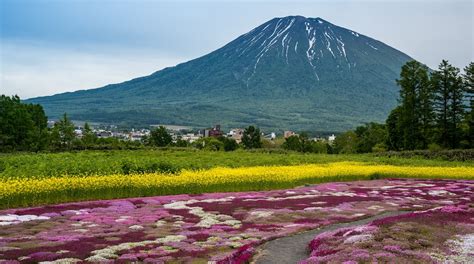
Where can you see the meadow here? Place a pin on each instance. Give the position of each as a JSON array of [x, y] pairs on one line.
[[47, 178], [87, 163]]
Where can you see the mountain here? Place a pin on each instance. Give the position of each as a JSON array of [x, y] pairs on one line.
[[289, 73]]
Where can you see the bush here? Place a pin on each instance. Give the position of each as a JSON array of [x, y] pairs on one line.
[[209, 143], [434, 147], [450, 155], [3, 166], [161, 167], [379, 147]]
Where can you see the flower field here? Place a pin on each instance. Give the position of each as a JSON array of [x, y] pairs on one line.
[[230, 227], [29, 191], [439, 235]]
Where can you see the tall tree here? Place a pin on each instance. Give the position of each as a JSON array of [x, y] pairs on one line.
[[251, 138], [469, 90], [370, 135], [415, 105], [394, 135], [160, 137], [448, 104], [62, 133], [346, 143], [88, 136], [22, 126]]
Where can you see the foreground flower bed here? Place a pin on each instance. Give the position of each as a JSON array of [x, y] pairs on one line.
[[220, 227], [438, 235], [38, 191]]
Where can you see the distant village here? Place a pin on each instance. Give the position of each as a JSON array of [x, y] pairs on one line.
[[184, 133]]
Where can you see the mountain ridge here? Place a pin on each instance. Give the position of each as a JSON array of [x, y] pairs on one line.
[[288, 73]]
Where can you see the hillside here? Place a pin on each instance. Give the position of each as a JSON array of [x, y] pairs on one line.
[[288, 73]]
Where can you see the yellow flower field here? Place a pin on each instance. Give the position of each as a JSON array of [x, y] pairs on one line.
[[27, 192]]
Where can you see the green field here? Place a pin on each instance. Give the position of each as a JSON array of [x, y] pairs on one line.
[[28, 179], [84, 163]]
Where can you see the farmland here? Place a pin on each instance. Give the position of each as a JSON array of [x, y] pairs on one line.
[[86, 163], [29, 180]]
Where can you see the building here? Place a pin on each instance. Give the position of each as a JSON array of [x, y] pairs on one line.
[[103, 134], [190, 137], [236, 134], [213, 132], [289, 133], [270, 136], [331, 138]]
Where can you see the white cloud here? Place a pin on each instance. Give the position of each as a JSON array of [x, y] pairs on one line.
[[32, 69]]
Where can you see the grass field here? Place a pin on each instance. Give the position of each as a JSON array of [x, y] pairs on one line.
[[85, 163], [34, 179]]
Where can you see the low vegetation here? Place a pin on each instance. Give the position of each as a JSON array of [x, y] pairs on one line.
[[29, 191], [87, 163]]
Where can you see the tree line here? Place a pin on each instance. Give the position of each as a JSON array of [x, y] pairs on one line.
[[24, 127], [435, 111]]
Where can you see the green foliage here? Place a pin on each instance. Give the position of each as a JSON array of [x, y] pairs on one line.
[[416, 114], [369, 136], [364, 139], [88, 137], [432, 109], [251, 138], [394, 134], [229, 143], [301, 143], [160, 137], [129, 167], [435, 153], [209, 143], [434, 147], [468, 78], [92, 162], [181, 143], [62, 134], [22, 126], [448, 86], [346, 143], [379, 147]]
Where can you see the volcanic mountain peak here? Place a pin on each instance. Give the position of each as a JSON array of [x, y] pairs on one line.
[[296, 39], [288, 73]]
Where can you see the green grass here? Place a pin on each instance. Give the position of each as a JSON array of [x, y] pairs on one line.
[[45, 165]]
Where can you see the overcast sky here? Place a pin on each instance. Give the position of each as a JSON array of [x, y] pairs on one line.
[[47, 47]]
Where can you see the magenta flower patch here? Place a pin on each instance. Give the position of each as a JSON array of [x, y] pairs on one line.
[[229, 227]]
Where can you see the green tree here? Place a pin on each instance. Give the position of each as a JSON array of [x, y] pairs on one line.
[[346, 143], [448, 104], [22, 126], [62, 134], [229, 143], [415, 106], [394, 135], [292, 143], [468, 78], [209, 143], [88, 136], [181, 143], [160, 137], [369, 136], [251, 138]]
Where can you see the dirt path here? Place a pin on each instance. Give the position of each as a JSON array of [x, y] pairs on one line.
[[294, 248]]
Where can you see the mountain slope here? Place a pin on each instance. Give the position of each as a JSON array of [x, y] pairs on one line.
[[289, 73]]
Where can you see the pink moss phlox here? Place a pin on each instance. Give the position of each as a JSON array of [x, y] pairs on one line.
[[43, 256], [392, 248], [240, 256]]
